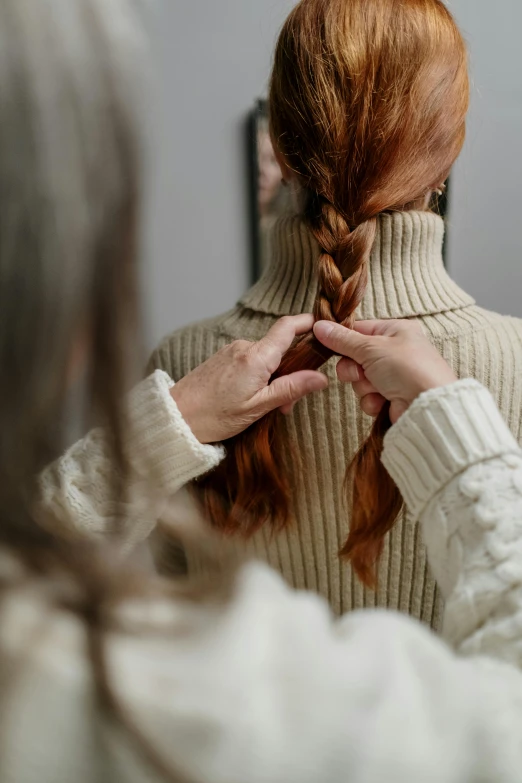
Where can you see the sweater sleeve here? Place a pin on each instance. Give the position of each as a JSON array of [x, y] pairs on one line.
[[77, 491], [460, 472], [267, 687]]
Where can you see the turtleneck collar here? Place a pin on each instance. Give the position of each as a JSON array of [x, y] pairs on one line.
[[407, 275]]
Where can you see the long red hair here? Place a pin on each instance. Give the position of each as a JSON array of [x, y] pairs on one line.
[[368, 100]]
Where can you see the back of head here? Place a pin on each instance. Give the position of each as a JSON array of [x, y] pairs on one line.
[[368, 102]]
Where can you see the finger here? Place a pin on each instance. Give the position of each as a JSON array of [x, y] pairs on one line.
[[303, 323], [341, 340], [278, 340], [372, 404], [349, 371], [287, 409], [391, 326], [363, 387], [283, 333], [290, 389], [371, 327]]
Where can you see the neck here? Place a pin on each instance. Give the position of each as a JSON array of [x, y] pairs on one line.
[[407, 277]]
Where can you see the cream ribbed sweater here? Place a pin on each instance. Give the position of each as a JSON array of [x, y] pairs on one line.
[[407, 279]]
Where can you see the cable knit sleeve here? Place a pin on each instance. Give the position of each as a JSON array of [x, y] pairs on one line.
[[76, 492], [460, 472]]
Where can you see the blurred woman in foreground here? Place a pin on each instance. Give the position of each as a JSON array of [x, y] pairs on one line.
[[108, 674]]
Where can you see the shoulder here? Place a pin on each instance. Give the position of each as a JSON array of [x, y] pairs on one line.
[[183, 350], [493, 336], [471, 323], [487, 346]]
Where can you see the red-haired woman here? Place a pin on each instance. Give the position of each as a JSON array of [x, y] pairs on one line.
[[368, 101]]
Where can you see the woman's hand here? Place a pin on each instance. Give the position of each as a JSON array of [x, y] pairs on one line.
[[230, 391], [386, 360]]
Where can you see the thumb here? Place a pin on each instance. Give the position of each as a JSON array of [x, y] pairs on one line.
[[343, 341], [289, 389]]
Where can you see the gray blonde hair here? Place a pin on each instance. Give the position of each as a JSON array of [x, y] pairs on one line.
[[69, 189], [69, 197]]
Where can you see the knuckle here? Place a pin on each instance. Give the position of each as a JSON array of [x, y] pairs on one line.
[[251, 352], [239, 348], [289, 392], [337, 342], [283, 391], [410, 327], [402, 328]]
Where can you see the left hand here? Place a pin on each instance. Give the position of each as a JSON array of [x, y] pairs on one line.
[[232, 390]]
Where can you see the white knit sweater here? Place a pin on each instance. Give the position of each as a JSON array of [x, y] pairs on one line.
[[269, 687]]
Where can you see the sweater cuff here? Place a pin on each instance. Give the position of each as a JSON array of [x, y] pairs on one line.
[[161, 446], [444, 432]]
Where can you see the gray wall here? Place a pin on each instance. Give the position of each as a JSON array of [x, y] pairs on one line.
[[213, 58], [485, 227]]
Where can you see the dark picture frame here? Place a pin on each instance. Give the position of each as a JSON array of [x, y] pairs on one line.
[[253, 190]]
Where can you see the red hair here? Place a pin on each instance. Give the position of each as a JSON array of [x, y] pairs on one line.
[[368, 101]]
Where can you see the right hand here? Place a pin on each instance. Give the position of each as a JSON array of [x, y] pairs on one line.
[[385, 360]]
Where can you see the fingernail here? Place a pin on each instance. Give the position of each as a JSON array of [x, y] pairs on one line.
[[323, 329], [352, 373]]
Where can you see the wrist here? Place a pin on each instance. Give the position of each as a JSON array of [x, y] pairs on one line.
[[423, 382], [188, 411], [430, 375], [444, 377]]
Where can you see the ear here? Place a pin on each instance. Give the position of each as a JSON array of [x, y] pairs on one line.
[[286, 172]]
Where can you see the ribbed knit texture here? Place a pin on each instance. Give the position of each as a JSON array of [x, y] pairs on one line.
[[407, 279], [156, 423]]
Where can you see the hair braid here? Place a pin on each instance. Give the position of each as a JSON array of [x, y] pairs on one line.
[[251, 486], [343, 276], [373, 496], [343, 263]]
